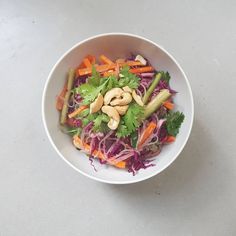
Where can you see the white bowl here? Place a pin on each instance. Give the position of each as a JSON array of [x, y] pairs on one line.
[[116, 45]]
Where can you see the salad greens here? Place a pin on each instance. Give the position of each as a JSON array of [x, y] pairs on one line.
[[130, 121], [173, 122]]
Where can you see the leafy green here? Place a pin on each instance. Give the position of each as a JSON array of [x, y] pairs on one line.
[[90, 92], [173, 122], [122, 131], [96, 84], [89, 118], [165, 76], [128, 79], [130, 121], [73, 131], [111, 82], [83, 113], [101, 118], [134, 138]]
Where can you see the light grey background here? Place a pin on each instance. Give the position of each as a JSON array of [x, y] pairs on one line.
[[41, 195]]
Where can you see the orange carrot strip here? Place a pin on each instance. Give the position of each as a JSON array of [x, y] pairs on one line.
[[120, 60], [77, 111], [91, 58], [87, 63], [121, 164], [132, 63], [142, 69], [146, 133], [99, 68], [170, 139], [107, 73], [106, 60], [168, 105], [60, 98], [86, 147]]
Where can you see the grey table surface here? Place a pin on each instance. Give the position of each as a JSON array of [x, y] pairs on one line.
[[41, 195]]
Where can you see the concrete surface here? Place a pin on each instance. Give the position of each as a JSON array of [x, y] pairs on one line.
[[41, 195]]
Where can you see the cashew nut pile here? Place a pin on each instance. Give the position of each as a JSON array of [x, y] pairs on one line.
[[115, 103]]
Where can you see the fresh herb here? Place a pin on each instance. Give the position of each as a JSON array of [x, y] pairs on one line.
[[128, 79], [130, 121], [83, 113], [122, 131], [96, 84], [134, 138], [90, 92], [173, 122], [89, 118], [97, 123], [165, 76], [72, 130]]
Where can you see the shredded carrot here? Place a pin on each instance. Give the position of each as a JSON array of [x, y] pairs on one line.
[[91, 58], [170, 139], [168, 105], [117, 70], [132, 63], [120, 60], [99, 68], [146, 133], [121, 164], [109, 72], [60, 98], [96, 153], [77, 111], [87, 63], [142, 69], [106, 60]]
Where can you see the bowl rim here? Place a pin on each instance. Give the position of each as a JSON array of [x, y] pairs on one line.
[[152, 174]]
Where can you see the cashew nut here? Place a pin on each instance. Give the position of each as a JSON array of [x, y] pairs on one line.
[[113, 93], [125, 99], [141, 59], [97, 104], [127, 89], [114, 116], [121, 109], [137, 98]]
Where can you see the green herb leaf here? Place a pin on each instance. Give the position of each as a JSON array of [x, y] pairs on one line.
[[128, 79], [165, 76], [122, 131], [102, 118], [89, 118], [73, 131], [173, 122], [134, 139], [130, 121], [90, 92], [95, 78]]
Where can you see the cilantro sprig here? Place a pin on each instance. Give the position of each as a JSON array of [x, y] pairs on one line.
[[128, 79], [173, 122], [130, 121], [96, 84], [165, 76]]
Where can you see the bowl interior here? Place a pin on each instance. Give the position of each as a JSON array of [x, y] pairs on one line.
[[115, 46]]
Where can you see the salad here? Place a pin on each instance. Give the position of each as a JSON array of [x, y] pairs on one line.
[[119, 112]]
